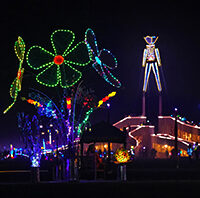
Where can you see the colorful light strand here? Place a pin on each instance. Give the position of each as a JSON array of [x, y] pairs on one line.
[[112, 94], [69, 103], [44, 108], [102, 68], [15, 87], [30, 101], [84, 122], [90, 111], [57, 66]]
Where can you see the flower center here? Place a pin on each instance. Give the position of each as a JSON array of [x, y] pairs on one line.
[[58, 60]]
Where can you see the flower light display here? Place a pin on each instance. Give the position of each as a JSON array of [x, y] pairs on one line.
[[15, 87], [59, 67], [103, 60]]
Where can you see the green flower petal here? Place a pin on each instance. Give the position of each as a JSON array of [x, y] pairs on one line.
[[37, 57], [78, 55], [61, 40], [19, 48], [49, 76], [68, 75], [13, 88]]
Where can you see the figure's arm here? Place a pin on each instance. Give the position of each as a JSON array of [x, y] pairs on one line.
[[158, 56], [144, 58]]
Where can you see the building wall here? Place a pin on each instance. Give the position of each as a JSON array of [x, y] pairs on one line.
[[186, 131], [138, 133]]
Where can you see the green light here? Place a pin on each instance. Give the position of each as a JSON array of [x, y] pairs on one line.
[[15, 87], [63, 72]]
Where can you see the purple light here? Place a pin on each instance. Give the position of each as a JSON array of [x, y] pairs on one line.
[[108, 105], [175, 109]]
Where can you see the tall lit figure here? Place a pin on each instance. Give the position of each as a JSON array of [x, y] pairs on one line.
[[151, 61]]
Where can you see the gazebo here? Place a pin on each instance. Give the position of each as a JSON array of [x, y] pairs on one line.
[[103, 132]]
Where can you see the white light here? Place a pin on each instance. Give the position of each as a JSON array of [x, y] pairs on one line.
[[50, 140], [129, 117]]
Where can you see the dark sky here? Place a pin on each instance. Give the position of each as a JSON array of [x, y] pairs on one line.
[[119, 27]]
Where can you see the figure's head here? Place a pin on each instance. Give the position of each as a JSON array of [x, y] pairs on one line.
[[151, 39]]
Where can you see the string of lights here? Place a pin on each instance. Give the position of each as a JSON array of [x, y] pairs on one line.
[[15, 87], [97, 57], [57, 66]]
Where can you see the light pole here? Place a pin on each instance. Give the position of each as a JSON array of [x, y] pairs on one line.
[[176, 137], [108, 111]]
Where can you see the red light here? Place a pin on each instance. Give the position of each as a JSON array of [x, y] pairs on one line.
[[105, 99], [84, 103], [30, 101], [58, 60], [68, 100], [19, 73]]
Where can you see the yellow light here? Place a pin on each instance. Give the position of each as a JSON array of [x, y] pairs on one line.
[[100, 103], [57, 131], [112, 94], [68, 102]]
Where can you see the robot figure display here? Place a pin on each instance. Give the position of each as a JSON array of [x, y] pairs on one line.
[[151, 60]]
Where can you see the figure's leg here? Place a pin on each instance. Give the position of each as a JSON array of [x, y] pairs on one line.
[[146, 76], [157, 76]]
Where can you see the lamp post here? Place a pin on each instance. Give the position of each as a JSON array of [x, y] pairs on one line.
[[176, 137], [108, 111]]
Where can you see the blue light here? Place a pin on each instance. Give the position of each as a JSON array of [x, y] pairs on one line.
[[98, 60], [183, 119]]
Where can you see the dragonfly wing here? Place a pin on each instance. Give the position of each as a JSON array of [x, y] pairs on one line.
[[108, 58], [91, 42], [104, 72]]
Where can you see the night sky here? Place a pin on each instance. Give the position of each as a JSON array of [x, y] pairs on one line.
[[120, 28]]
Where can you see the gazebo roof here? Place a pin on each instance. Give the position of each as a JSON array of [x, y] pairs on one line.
[[103, 132]]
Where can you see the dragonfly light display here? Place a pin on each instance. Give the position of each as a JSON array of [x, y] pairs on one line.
[[103, 60]]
